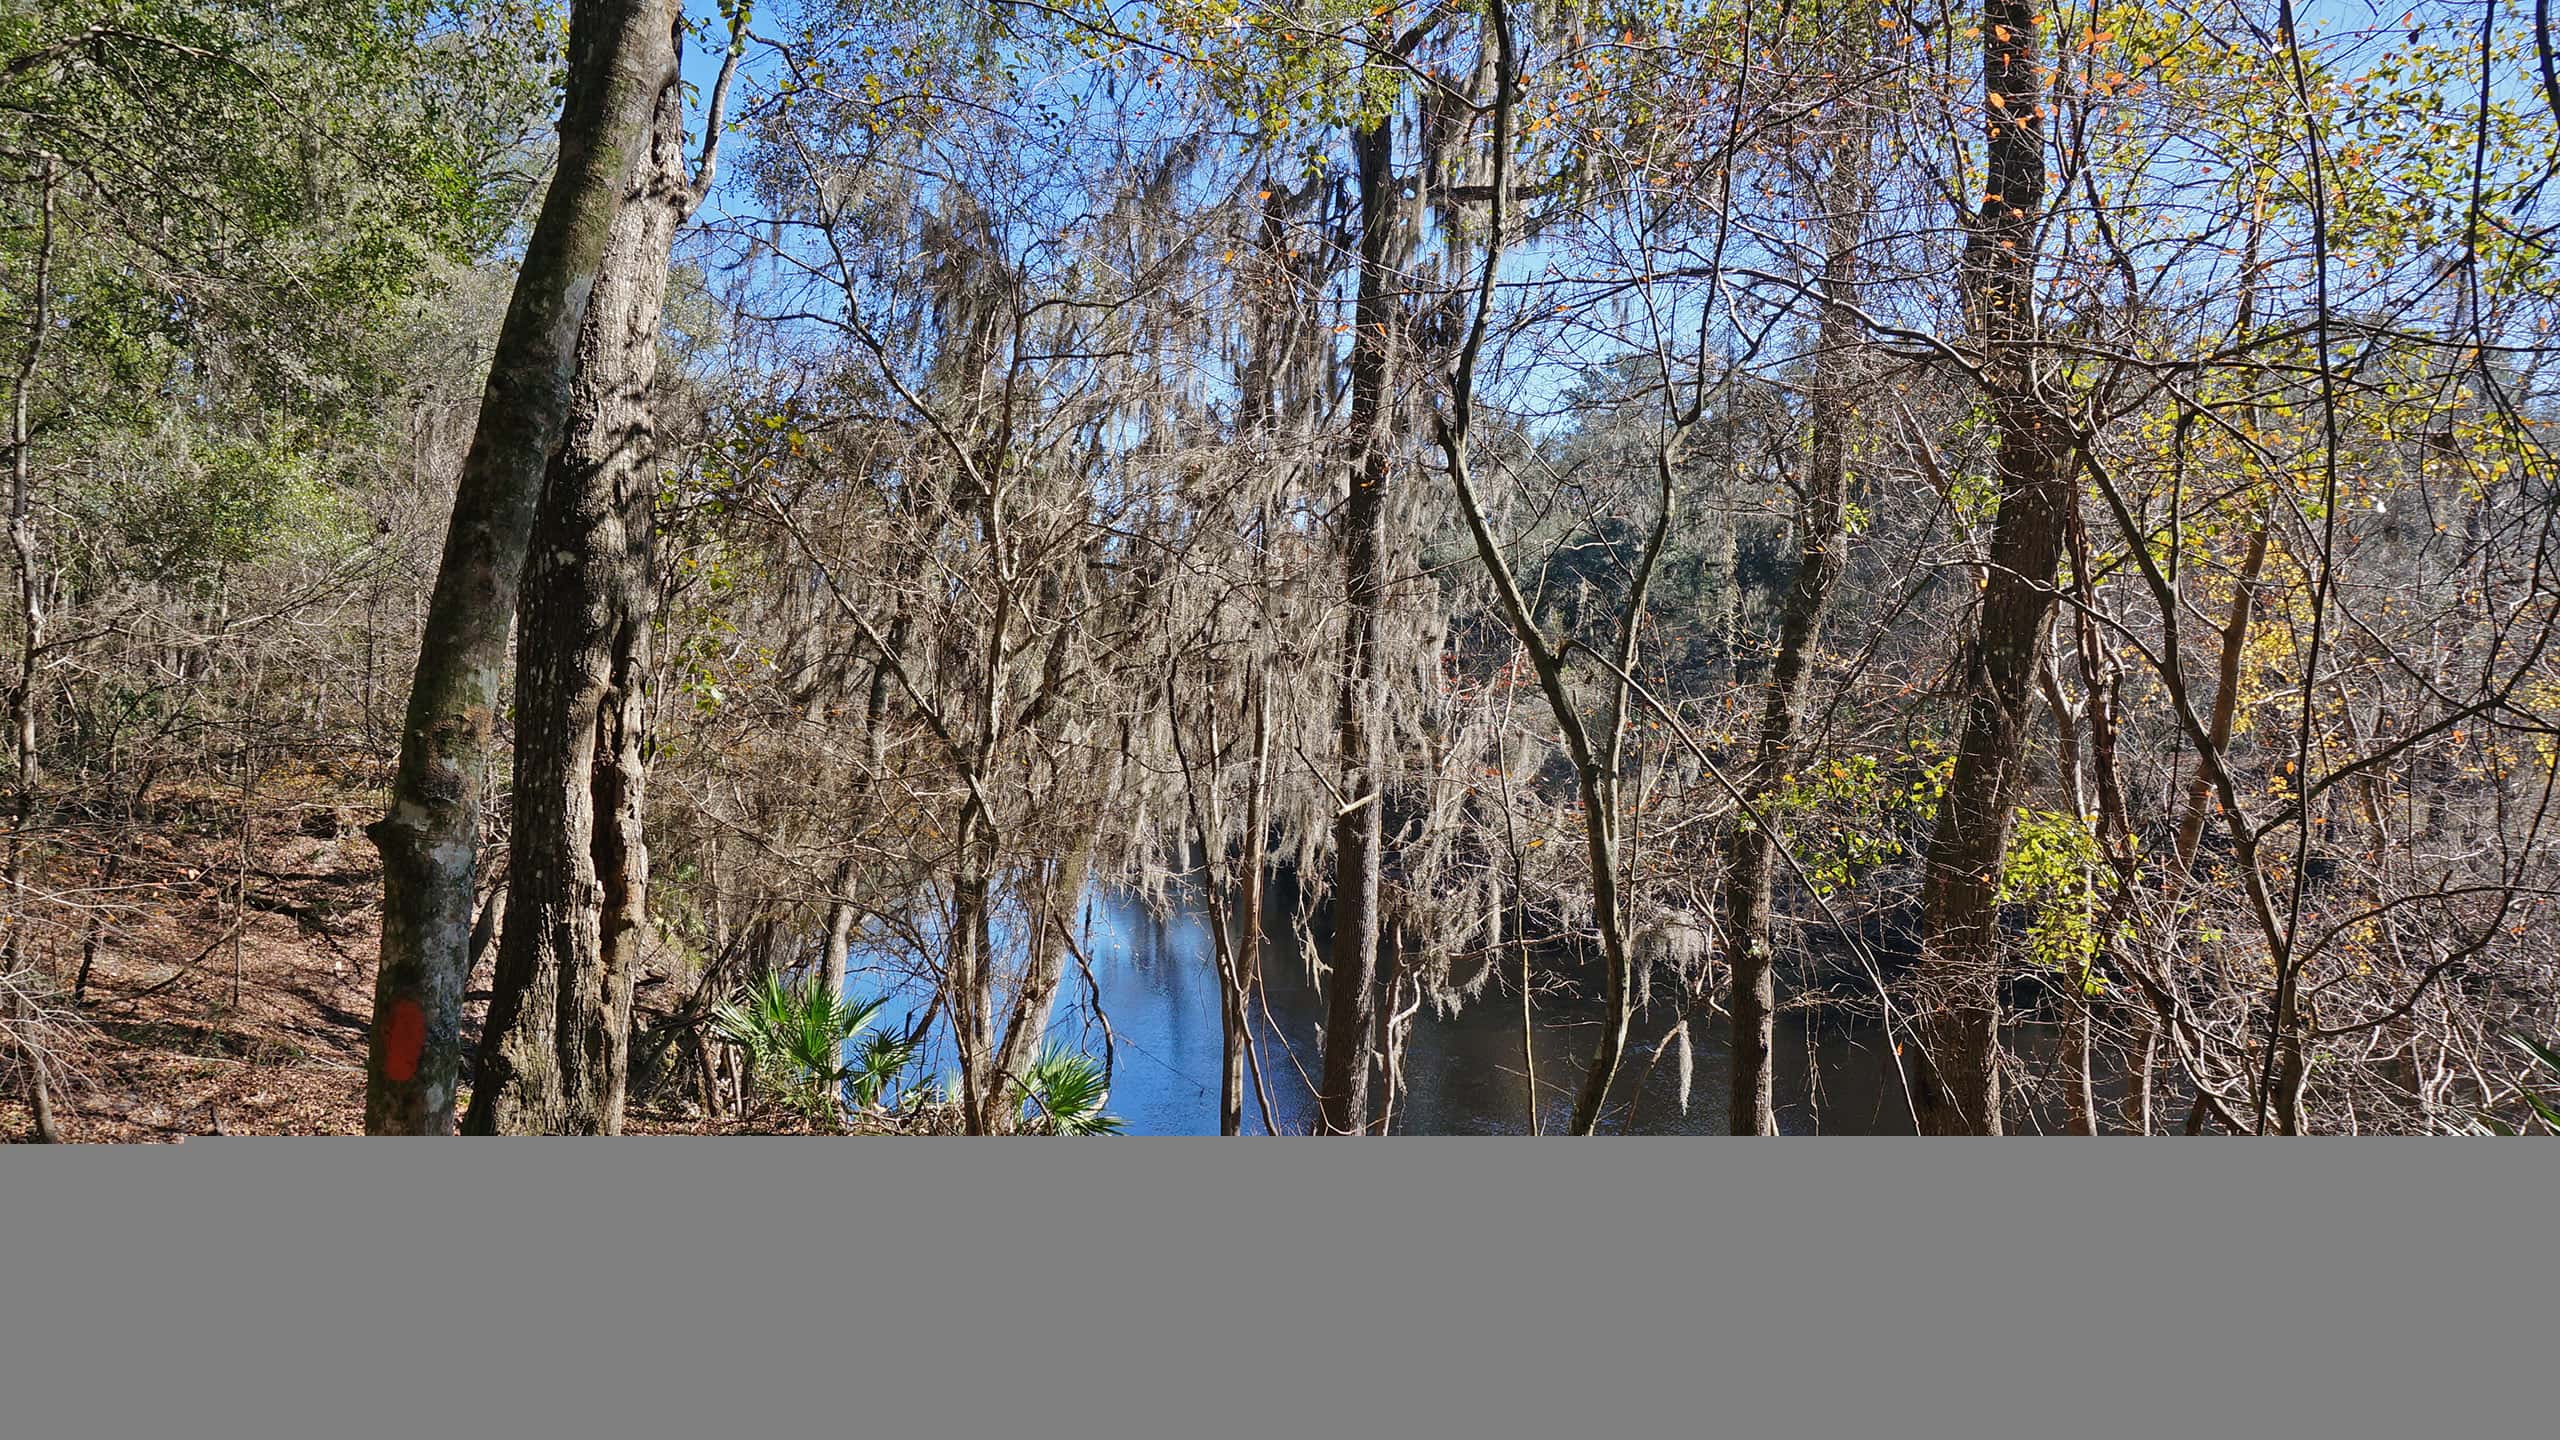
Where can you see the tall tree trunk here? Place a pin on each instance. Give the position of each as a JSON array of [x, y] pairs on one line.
[[27, 759], [430, 837], [1751, 846], [1359, 828], [837, 955], [555, 1054], [1596, 764], [1959, 1089], [969, 977], [2102, 677], [1246, 932]]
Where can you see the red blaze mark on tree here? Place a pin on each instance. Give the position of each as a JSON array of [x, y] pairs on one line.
[[406, 1038]]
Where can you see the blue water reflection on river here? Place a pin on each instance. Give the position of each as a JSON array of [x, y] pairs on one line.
[[1156, 977]]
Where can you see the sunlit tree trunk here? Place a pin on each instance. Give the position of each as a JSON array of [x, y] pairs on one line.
[[1246, 932], [1959, 1088], [1359, 831], [1751, 846], [969, 978], [1044, 964], [837, 953], [429, 839], [555, 1054]]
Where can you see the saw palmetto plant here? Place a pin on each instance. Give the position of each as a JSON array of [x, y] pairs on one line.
[[1063, 1093], [795, 1038]]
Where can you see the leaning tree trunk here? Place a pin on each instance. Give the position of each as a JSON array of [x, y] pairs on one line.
[[555, 1054], [430, 836], [1751, 846], [1959, 1090], [1351, 999], [1044, 965]]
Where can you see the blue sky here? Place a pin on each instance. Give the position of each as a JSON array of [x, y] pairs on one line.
[[2317, 17]]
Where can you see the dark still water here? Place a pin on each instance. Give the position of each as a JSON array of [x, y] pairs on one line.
[[1157, 980]]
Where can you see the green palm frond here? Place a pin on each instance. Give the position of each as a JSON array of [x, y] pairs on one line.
[[882, 1058], [1066, 1089], [795, 1035]]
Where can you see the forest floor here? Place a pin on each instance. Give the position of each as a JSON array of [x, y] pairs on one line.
[[206, 1016], [203, 1014]]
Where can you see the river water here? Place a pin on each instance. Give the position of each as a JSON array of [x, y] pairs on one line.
[[1157, 981]]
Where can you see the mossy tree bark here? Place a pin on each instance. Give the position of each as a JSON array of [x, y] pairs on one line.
[[555, 1054], [429, 838]]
